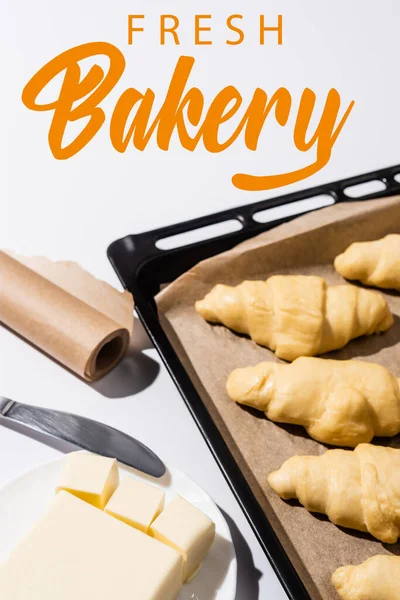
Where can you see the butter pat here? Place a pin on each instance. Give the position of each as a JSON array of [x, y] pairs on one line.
[[136, 503], [185, 528], [90, 477], [79, 552]]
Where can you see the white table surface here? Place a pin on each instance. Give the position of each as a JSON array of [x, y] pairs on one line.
[[74, 209]]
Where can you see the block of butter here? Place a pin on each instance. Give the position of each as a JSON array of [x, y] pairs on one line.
[[185, 528], [90, 477], [77, 551], [136, 503]]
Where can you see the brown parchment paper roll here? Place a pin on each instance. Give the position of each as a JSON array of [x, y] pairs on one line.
[[82, 322], [307, 245]]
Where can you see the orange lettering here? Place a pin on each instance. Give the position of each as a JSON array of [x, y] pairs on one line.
[[172, 29], [259, 110], [263, 29], [325, 137], [137, 130], [169, 117], [217, 114], [96, 83], [80, 97], [237, 30], [171, 114], [198, 28], [131, 28]]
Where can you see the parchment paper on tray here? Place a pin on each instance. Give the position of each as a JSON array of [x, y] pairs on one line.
[[306, 245], [80, 321]]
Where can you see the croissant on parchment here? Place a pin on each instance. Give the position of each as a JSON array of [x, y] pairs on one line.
[[357, 488], [343, 403], [373, 263], [297, 315], [378, 578]]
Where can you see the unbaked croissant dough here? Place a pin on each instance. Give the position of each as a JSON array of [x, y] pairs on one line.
[[359, 489], [373, 263], [378, 578], [343, 403], [297, 315]]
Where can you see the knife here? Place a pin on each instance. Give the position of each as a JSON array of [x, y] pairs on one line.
[[85, 433]]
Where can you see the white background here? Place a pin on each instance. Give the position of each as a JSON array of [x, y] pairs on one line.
[[73, 209]]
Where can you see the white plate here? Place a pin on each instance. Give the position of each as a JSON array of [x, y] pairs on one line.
[[25, 500]]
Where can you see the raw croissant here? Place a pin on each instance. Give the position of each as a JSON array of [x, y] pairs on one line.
[[297, 315], [378, 578], [359, 489], [343, 403], [373, 263]]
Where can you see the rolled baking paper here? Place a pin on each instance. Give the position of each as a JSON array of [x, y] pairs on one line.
[[82, 322]]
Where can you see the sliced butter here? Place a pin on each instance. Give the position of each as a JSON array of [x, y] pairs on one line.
[[79, 552], [90, 477], [136, 503], [185, 528]]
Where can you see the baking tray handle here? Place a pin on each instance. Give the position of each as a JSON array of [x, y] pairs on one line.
[[143, 247]]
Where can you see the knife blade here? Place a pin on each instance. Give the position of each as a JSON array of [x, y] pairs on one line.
[[85, 433]]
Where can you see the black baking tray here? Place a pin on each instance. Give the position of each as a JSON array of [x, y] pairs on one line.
[[143, 268]]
